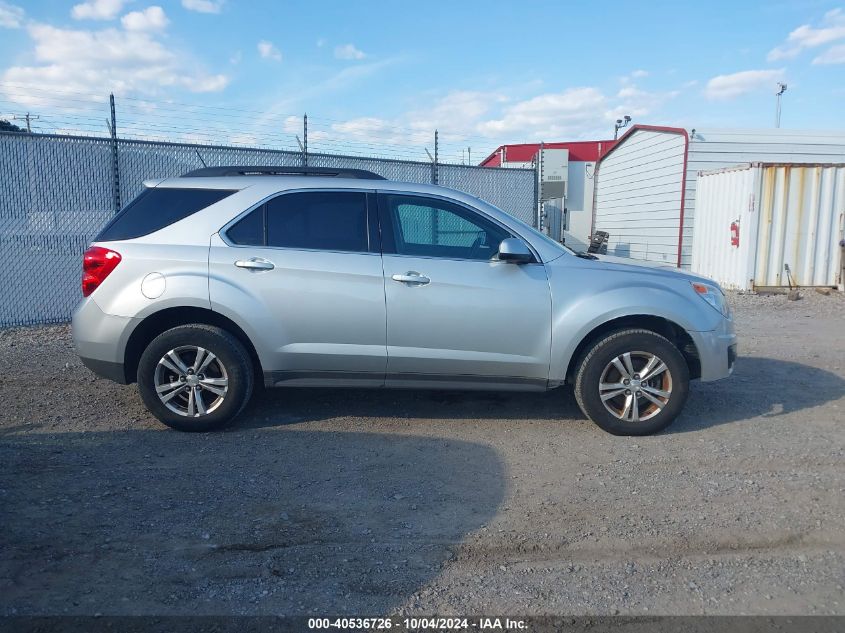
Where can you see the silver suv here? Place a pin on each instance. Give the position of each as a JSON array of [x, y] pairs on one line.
[[207, 283]]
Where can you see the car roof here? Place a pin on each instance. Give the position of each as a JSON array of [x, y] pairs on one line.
[[285, 183]]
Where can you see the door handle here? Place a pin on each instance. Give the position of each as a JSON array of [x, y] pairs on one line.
[[412, 277], [255, 263]]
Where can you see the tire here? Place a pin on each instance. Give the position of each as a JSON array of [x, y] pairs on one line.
[[202, 400], [606, 364]]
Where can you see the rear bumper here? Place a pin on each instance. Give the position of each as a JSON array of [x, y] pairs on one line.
[[100, 339], [717, 351]]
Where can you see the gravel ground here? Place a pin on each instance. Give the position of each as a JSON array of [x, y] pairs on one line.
[[353, 502]]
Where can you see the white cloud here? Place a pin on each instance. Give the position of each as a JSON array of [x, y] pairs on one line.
[[11, 16], [485, 119], [805, 36], [203, 6], [348, 51], [268, 51], [97, 10], [99, 61], [725, 87], [549, 114], [833, 55], [150, 19], [491, 118], [639, 74], [458, 110]]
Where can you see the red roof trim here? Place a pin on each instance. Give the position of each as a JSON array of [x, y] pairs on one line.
[[579, 151], [683, 198]]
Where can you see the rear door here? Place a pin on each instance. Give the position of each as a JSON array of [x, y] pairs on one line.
[[455, 314], [303, 273]]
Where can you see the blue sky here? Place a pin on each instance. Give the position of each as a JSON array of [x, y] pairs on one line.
[[388, 73]]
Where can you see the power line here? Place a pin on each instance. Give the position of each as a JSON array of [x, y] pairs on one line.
[[78, 113]]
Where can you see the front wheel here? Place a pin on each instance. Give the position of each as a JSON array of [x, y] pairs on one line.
[[195, 377], [632, 382]]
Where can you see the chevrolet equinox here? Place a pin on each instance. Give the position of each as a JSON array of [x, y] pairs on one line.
[[305, 277]]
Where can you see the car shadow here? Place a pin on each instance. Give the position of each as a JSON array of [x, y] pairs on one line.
[[280, 521], [759, 387], [275, 407]]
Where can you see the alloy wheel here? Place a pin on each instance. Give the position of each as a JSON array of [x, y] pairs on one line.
[[191, 381], [635, 386]]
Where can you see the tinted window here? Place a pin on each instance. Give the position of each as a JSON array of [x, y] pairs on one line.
[[430, 228], [249, 230], [335, 221], [156, 208]]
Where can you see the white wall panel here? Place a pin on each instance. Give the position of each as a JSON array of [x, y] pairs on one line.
[[638, 196]]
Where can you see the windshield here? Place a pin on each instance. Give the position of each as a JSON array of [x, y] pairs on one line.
[[534, 233]]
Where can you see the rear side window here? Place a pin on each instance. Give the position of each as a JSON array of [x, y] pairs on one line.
[[249, 230], [319, 220], [157, 208]]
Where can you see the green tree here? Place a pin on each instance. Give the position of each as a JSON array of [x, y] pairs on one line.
[[5, 126]]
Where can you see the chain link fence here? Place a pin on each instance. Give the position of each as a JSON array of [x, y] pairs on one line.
[[56, 192]]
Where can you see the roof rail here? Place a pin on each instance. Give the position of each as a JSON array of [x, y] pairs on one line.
[[266, 170]]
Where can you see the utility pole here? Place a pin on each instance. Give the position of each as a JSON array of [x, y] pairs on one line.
[[469, 155], [28, 118], [778, 95]]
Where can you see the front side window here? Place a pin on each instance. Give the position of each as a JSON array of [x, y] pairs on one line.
[[426, 227], [316, 220]]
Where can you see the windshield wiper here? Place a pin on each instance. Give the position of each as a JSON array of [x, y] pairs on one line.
[[585, 255]]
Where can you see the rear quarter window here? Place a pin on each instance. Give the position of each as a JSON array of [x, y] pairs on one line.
[[156, 208]]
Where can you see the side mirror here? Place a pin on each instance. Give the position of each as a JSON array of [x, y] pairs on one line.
[[514, 251]]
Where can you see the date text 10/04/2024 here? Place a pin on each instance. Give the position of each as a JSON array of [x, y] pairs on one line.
[[419, 623]]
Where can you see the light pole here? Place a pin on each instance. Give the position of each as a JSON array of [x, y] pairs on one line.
[[778, 95], [620, 123]]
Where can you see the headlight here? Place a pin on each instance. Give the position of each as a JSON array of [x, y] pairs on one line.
[[713, 295]]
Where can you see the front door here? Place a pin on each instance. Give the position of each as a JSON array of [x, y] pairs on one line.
[[303, 274], [455, 314]]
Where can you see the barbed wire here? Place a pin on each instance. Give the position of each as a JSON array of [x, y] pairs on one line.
[[67, 111]]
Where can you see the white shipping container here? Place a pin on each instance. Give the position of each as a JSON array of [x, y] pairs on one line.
[[785, 215]]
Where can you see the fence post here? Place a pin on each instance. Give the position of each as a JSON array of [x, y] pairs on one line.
[[114, 157], [538, 224], [536, 211], [305, 140], [436, 157]]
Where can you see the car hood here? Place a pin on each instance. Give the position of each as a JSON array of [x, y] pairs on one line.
[[625, 265]]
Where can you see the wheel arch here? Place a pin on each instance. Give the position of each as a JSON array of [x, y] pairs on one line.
[[676, 334], [163, 320]]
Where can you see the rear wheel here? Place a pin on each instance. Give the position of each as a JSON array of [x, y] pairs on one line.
[[632, 382], [195, 377]]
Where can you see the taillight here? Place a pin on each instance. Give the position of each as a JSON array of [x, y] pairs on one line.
[[97, 264]]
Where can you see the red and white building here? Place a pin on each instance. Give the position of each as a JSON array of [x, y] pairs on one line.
[[582, 159]]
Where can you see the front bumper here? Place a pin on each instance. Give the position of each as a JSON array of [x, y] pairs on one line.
[[100, 339], [717, 351]]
